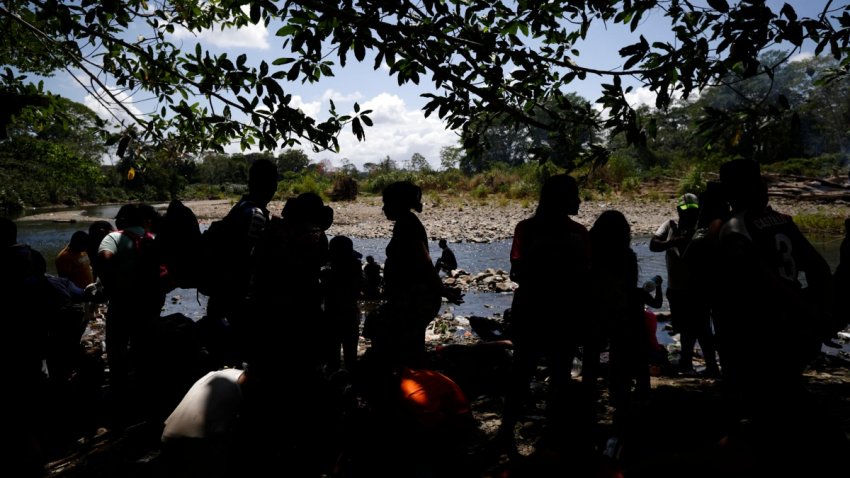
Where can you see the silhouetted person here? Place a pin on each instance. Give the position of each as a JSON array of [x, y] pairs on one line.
[[372, 279], [198, 435], [412, 288], [129, 269], [23, 291], [689, 319], [341, 284], [760, 256], [701, 257], [619, 313], [73, 261], [287, 340], [761, 253], [97, 231], [447, 261], [550, 259], [841, 280], [249, 218]]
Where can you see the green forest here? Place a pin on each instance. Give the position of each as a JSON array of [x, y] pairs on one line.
[[730, 79], [791, 123]]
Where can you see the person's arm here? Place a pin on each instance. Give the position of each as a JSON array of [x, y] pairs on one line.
[[517, 262], [106, 262], [663, 240], [655, 301]]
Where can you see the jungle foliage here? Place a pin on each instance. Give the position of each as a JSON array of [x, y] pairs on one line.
[[501, 73]]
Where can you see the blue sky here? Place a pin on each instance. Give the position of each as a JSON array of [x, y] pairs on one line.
[[400, 128]]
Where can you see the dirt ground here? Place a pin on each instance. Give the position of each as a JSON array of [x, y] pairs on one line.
[[683, 431]]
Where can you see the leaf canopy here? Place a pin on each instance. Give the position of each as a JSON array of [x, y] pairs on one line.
[[513, 61]]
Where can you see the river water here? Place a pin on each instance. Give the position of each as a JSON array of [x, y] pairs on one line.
[[49, 237]]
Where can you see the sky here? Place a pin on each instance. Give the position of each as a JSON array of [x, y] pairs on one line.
[[400, 127]]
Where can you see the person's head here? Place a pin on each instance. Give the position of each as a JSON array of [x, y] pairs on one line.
[[262, 181], [712, 205], [442, 243], [688, 209], [8, 232], [558, 196], [401, 196], [341, 248], [742, 184], [100, 228], [79, 241], [370, 260], [307, 211], [97, 231], [151, 218], [611, 231], [130, 215]]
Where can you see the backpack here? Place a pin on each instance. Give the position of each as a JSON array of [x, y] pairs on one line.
[[179, 242], [219, 264], [152, 274]]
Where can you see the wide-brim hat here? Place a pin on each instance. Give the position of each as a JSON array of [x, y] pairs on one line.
[[308, 208]]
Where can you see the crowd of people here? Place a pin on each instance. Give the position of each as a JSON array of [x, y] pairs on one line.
[[271, 377]]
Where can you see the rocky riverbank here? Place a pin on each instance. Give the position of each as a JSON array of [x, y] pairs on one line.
[[470, 220]]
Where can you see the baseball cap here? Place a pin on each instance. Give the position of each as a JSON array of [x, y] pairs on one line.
[[687, 201]]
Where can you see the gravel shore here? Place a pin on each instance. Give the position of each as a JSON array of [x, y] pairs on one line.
[[469, 220]]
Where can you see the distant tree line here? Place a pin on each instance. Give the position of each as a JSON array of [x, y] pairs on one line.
[[794, 120]]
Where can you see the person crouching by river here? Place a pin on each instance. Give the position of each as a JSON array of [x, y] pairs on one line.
[[550, 260]]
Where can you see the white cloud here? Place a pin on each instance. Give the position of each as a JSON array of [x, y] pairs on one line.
[[802, 56], [107, 108], [641, 96], [398, 132], [310, 108], [249, 36], [336, 96], [645, 96]]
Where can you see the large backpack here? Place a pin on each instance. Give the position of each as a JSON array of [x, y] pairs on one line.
[[218, 258], [151, 275]]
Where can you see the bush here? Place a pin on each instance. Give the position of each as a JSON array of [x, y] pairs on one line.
[[619, 169], [819, 223], [820, 166], [376, 183], [693, 182], [294, 184], [345, 188], [480, 191]]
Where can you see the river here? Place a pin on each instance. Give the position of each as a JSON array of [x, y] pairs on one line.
[[49, 237]]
